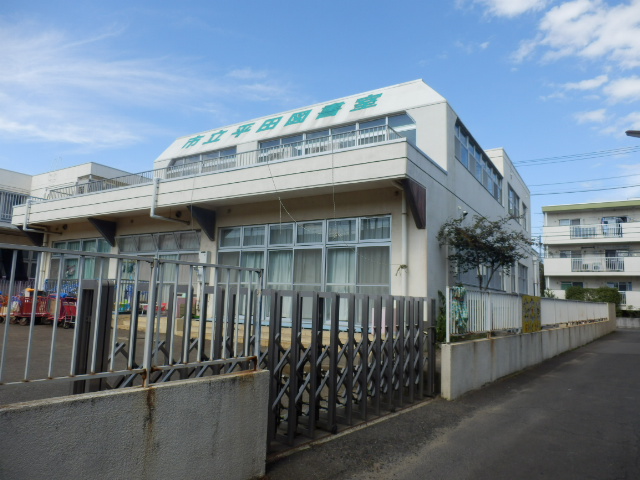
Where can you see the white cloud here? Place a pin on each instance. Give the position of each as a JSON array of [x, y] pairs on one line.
[[624, 89], [247, 73], [471, 47], [593, 116], [54, 88], [589, 84], [511, 8], [590, 29]]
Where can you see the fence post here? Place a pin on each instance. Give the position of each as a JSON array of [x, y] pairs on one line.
[[431, 349], [151, 318], [448, 311], [488, 314]]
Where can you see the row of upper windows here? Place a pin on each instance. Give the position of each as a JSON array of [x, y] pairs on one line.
[[346, 230], [402, 124], [516, 208], [474, 160]]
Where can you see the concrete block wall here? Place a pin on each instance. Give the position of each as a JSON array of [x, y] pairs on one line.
[[468, 366], [207, 428]]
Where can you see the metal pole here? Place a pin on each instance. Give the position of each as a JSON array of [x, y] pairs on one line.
[[5, 340], [151, 315]]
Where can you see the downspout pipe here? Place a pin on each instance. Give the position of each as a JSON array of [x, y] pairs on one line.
[[25, 223], [405, 246], [154, 201]]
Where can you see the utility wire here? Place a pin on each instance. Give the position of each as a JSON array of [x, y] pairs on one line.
[[586, 190], [577, 156], [581, 181]]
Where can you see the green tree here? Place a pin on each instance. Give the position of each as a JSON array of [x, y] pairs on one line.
[[484, 246]]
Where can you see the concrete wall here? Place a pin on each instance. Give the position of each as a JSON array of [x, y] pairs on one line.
[[206, 428], [11, 181], [468, 366]]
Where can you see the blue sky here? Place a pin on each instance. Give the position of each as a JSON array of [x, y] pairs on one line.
[[116, 82]]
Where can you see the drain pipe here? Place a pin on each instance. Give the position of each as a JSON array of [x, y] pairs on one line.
[[405, 246], [25, 222], [154, 200]]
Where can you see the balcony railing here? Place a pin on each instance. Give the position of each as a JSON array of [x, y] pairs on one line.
[[603, 264], [603, 230], [7, 201], [332, 143]]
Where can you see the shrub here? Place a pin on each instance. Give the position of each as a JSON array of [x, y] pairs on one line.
[[575, 293]]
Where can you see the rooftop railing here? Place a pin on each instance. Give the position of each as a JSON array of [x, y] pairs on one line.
[[315, 146], [7, 201]]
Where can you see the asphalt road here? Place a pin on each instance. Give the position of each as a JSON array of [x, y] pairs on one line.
[[576, 416]]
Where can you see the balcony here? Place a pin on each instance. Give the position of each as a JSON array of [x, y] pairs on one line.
[[591, 266], [360, 160], [595, 233], [602, 230], [328, 144], [603, 264]]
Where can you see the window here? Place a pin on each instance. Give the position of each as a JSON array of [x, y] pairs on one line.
[[345, 136], [340, 255], [202, 163], [523, 279], [620, 286], [565, 285], [183, 246], [514, 204], [309, 232], [565, 222], [473, 158], [71, 264], [341, 230], [405, 126]]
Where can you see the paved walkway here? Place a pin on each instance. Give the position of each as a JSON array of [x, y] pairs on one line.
[[576, 416]]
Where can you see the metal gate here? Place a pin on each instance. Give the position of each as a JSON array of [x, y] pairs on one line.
[[340, 359]]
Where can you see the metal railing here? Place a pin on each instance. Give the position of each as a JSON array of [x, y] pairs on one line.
[[7, 201], [475, 312], [597, 264], [165, 338], [596, 231], [357, 138]]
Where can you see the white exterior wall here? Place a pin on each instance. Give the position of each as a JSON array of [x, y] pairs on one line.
[[66, 176], [11, 181]]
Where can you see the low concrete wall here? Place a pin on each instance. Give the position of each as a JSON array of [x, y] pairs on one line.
[[207, 428], [628, 322], [470, 365]]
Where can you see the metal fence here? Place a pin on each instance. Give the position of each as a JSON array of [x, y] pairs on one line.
[[359, 355], [473, 312], [205, 165], [7, 201], [179, 338], [334, 358]]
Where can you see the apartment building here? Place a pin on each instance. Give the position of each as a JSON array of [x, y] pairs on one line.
[[593, 245], [346, 195]]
